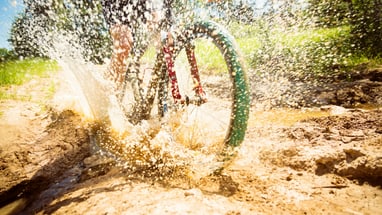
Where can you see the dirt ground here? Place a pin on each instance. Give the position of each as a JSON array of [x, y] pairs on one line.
[[318, 160]]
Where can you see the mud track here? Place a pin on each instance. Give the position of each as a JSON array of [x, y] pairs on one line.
[[316, 165]]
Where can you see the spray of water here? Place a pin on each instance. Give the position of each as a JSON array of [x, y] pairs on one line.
[[70, 32], [74, 33]]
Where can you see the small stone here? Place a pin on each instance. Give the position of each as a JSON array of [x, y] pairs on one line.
[[188, 193], [193, 192], [289, 177], [346, 139]]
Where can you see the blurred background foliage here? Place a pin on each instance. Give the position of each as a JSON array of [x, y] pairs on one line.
[[300, 36]]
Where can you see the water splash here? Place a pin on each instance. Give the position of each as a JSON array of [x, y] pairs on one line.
[[69, 40], [152, 147]]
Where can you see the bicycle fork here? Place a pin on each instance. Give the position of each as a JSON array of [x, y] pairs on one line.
[[200, 96]]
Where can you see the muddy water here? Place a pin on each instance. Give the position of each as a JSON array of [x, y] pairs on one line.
[[192, 136], [188, 138], [286, 116]]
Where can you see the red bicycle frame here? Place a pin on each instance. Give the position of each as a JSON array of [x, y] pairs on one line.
[[199, 92]]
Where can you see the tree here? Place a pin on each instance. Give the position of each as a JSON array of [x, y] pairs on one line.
[[87, 19], [241, 11], [23, 39], [76, 23], [29, 32]]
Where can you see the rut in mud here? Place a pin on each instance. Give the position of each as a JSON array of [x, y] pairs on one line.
[[28, 168]]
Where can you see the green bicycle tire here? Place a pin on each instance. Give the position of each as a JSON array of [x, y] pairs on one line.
[[241, 96]]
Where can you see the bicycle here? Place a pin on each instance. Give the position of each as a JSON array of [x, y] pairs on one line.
[[186, 98]]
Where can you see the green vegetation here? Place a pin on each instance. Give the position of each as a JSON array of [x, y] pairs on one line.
[[300, 50], [207, 54], [17, 72], [36, 29], [354, 61], [304, 51], [306, 37], [364, 18], [209, 57], [301, 37], [6, 55]]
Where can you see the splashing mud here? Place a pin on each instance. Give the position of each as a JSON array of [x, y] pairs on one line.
[[153, 143], [291, 160], [91, 159]]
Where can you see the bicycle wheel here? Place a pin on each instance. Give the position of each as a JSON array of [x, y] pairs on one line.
[[199, 128], [213, 88]]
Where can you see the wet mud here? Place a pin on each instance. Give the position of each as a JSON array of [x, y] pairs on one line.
[[315, 164]]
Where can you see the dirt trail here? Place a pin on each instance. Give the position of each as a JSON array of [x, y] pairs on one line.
[[324, 160]]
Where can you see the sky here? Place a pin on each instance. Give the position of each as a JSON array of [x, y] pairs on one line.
[[8, 10]]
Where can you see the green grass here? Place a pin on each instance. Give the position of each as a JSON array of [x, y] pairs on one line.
[[250, 37], [149, 55], [248, 45], [303, 36], [207, 54], [333, 43], [19, 71], [248, 41], [355, 60], [209, 57]]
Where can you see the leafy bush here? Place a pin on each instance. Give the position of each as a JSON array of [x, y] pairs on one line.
[[363, 16], [366, 23]]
